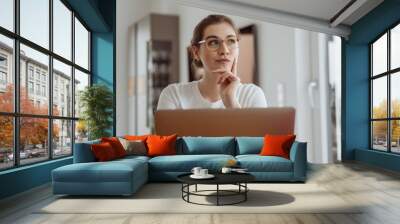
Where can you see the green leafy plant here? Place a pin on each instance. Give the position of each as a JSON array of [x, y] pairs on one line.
[[96, 102]]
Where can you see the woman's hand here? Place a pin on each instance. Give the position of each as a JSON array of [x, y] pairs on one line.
[[228, 81]]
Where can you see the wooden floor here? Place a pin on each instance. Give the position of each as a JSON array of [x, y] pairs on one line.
[[378, 188]]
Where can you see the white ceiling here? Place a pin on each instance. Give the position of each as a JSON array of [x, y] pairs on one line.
[[314, 15], [318, 9]]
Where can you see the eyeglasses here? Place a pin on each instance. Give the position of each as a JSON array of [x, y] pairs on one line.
[[214, 44]]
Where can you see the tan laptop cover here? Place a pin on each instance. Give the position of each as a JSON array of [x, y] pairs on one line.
[[226, 122]]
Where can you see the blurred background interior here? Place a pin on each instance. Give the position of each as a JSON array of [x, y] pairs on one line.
[[297, 66], [291, 49]]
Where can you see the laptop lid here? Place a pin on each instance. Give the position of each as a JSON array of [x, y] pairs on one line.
[[226, 122]]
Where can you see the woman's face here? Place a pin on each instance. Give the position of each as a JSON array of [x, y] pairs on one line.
[[216, 54]]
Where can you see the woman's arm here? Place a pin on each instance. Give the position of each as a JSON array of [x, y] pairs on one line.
[[229, 82], [231, 101]]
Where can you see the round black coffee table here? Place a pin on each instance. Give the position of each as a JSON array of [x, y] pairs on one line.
[[238, 179]]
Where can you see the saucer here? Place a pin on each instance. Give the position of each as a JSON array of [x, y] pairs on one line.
[[240, 171], [208, 176]]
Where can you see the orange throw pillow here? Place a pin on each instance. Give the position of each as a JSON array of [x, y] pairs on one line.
[[116, 145], [277, 145], [136, 137], [103, 152], [161, 145]]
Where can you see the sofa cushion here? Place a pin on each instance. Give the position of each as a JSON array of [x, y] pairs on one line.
[[159, 145], [116, 145], [103, 152], [185, 163], [249, 145], [206, 145], [134, 147], [277, 145], [131, 158], [136, 137], [111, 171], [257, 163]]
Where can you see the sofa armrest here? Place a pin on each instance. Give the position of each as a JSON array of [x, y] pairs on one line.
[[83, 152], [298, 155]]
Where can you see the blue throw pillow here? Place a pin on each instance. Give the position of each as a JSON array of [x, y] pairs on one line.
[[249, 145], [207, 145]]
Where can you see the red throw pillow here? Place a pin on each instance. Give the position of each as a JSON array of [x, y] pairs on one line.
[[161, 145], [116, 145], [277, 145], [103, 152]]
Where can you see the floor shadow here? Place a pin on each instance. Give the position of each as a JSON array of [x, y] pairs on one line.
[[255, 198], [172, 190]]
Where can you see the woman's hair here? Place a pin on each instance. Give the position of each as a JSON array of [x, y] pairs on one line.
[[198, 31]]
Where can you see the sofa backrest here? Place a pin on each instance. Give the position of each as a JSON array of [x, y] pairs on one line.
[[206, 145], [190, 146], [83, 152], [249, 145]]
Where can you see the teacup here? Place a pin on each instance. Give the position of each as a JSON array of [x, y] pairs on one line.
[[196, 170], [203, 172]]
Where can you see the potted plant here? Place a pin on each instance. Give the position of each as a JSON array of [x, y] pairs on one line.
[[96, 103]]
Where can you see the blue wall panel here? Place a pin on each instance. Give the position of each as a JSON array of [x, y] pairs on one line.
[[102, 59], [24, 178], [103, 53], [380, 159], [356, 99], [103, 63], [90, 12]]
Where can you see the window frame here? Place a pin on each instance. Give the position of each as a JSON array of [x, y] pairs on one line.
[[388, 74], [3, 77], [16, 114], [5, 58]]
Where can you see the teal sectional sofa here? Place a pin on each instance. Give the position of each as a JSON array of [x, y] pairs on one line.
[[125, 176]]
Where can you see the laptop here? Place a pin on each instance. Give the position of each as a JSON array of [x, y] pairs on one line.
[[225, 122]]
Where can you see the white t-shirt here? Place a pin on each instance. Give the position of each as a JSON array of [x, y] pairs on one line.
[[188, 96]]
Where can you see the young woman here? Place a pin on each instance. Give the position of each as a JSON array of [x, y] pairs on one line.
[[215, 49]]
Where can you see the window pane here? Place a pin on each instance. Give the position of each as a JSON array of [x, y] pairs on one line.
[[35, 21], [7, 14], [6, 74], [33, 139], [34, 97], [379, 97], [379, 135], [395, 136], [81, 131], [6, 142], [62, 29], [379, 55], [62, 138], [395, 94], [81, 81], [81, 45], [62, 89], [395, 47]]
